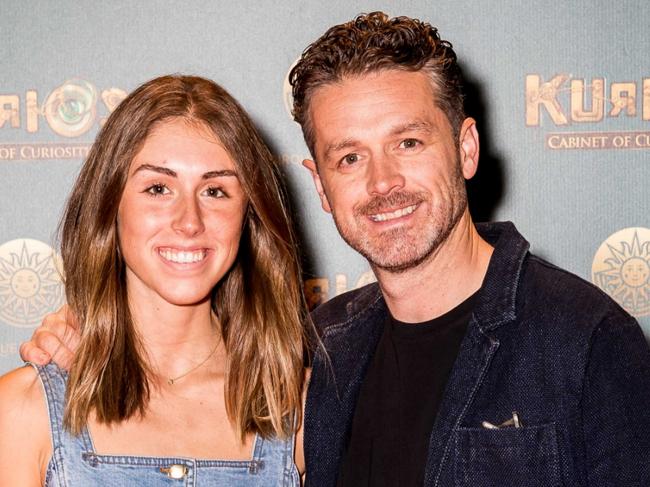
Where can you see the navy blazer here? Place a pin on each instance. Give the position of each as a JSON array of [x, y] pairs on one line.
[[541, 342]]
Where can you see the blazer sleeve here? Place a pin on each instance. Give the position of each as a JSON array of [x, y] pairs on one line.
[[616, 405]]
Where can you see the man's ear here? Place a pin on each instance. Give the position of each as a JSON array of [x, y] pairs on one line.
[[311, 165], [469, 148]]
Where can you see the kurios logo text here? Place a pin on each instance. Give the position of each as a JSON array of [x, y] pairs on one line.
[[574, 103], [69, 111]]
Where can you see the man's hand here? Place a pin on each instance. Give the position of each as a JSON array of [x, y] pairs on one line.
[[55, 340]]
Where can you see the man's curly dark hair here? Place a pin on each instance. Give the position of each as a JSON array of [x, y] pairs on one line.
[[374, 42]]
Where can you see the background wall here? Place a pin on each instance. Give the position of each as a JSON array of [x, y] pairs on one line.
[[561, 91]]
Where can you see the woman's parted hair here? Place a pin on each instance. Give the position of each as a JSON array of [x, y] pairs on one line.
[[374, 42], [259, 302]]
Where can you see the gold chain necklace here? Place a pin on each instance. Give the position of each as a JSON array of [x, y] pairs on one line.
[[172, 380]]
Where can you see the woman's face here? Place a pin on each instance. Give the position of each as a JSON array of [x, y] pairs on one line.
[[181, 215]]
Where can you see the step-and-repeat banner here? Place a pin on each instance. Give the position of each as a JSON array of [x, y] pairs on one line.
[[561, 91]]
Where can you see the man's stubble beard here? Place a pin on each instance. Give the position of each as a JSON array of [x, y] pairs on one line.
[[398, 250]]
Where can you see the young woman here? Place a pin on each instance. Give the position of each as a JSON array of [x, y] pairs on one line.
[[181, 269]]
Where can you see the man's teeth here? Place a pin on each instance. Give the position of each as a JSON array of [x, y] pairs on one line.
[[183, 257], [382, 217]]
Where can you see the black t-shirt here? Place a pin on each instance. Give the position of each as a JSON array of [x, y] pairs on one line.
[[399, 400]]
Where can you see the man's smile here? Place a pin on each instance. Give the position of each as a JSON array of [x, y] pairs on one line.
[[391, 215]]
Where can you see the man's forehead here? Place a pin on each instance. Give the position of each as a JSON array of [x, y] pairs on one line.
[[359, 90], [362, 106]]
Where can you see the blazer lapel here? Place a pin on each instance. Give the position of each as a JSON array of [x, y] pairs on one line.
[[333, 391], [473, 361]]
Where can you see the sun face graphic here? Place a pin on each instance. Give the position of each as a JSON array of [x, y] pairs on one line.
[[30, 282], [287, 94], [621, 268]]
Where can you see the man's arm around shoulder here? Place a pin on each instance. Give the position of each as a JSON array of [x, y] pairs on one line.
[[55, 340]]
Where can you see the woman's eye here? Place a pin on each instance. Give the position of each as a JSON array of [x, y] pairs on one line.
[[409, 143], [215, 192], [158, 190]]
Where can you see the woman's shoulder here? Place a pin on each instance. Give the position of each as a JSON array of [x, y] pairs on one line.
[[25, 446], [20, 387], [299, 451]]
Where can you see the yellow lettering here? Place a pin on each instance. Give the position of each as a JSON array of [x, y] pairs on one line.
[[623, 98], [577, 141], [7, 153], [27, 152], [8, 349], [340, 284], [646, 99], [578, 111], [540, 94], [316, 291], [366, 278], [554, 141], [642, 140], [33, 110], [10, 110]]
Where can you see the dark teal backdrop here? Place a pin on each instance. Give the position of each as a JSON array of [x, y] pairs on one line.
[[561, 91]]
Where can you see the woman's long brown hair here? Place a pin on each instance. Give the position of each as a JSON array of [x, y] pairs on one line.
[[259, 302]]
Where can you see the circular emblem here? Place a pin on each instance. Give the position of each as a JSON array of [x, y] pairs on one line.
[[287, 94], [621, 268], [30, 282], [113, 97], [71, 108], [366, 278]]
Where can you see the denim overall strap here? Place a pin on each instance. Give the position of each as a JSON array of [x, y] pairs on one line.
[[64, 445]]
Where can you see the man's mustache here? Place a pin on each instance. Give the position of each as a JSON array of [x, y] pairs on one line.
[[380, 204]]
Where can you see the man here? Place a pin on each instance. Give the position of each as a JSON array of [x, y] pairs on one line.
[[470, 362]]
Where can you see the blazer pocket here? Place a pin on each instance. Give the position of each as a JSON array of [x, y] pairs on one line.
[[507, 457]]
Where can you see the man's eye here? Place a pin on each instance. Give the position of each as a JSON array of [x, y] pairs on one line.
[[215, 192], [158, 190], [409, 143], [350, 159]]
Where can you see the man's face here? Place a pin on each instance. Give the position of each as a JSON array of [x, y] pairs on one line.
[[389, 169]]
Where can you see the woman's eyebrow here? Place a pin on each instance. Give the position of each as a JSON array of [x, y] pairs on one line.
[[219, 174], [170, 172], [158, 169]]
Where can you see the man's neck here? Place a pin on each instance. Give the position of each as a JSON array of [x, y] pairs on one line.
[[453, 272]]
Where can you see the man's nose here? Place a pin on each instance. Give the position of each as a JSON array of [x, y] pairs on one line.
[[384, 175]]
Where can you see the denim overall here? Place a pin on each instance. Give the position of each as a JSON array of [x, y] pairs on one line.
[[75, 463]]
